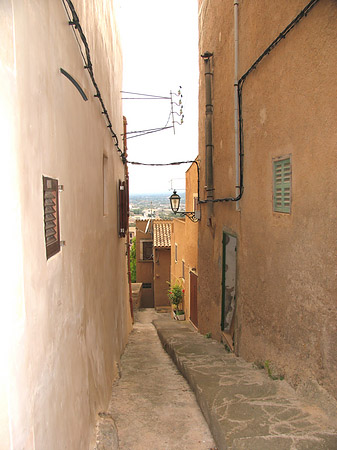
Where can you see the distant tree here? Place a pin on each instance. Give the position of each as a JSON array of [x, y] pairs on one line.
[[167, 216], [133, 260], [137, 211]]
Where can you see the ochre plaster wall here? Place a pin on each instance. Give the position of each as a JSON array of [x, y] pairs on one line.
[[162, 268], [185, 235], [191, 228], [177, 238], [66, 320], [190, 242], [144, 269], [286, 271]]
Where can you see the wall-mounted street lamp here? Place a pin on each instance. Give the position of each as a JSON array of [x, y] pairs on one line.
[[175, 204], [175, 198]]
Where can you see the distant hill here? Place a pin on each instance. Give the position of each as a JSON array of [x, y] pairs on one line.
[[151, 196], [153, 205]]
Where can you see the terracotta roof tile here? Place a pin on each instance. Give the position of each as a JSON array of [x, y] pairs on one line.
[[162, 235]]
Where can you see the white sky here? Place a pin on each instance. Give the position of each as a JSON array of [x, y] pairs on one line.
[[160, 53]]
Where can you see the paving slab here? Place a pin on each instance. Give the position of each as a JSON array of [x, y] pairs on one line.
[[244, 408], [152, 406]]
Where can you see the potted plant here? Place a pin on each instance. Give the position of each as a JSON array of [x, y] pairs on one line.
[[175, 295]]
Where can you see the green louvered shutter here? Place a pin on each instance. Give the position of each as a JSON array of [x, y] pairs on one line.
[[282, 185]]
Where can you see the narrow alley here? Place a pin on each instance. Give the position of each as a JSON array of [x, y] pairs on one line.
[[221, 213], [152, 406]]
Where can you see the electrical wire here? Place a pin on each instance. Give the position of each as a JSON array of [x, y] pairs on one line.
[[153, 130], [241, 81], [75, 35], [159, 97], [147, 98], [75, 22], [144, 132], [281, 36], [155, 97], [175, 163]]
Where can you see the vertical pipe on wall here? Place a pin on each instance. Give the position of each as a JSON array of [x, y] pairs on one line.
[[209, 136], [236, 101]]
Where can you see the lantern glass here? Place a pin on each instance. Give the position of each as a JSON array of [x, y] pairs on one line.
[[175, 201]]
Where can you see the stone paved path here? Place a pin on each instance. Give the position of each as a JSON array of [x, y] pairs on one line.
[[244, 407], [152, 406]]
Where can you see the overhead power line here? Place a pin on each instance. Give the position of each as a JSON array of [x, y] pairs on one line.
[[74, 21]]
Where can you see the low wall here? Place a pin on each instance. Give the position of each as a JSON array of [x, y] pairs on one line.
[[136, 295]]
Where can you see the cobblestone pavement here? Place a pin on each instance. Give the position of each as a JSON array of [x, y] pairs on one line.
[[152, 406]]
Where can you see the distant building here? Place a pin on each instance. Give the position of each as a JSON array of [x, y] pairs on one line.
[[153, 255], [161, 261], [132, 233], [133, 218], [149, 213], [144, 261]]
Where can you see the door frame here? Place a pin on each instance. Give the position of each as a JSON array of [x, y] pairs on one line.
[[196, 302]]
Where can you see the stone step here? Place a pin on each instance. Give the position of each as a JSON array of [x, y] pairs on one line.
[[314, 442], [243, 406]]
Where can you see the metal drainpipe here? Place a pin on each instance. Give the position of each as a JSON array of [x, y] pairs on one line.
[[209, 136], [236, 101]]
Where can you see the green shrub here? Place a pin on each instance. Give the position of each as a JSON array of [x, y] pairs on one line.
[[175, 294], [133, 260]]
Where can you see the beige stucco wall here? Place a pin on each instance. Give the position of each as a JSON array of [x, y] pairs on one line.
[[286, 281], [66, 320]]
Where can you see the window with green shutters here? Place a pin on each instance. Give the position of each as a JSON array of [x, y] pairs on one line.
[[282, 185]]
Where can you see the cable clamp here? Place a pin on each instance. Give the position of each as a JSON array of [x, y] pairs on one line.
[[73, 23]]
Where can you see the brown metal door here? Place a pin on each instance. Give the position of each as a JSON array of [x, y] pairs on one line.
[[193, 299]]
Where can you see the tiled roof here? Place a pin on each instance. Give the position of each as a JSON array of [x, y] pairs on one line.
[[162, 235]]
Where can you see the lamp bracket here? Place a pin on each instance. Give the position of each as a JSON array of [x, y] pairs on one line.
[[193, 216]]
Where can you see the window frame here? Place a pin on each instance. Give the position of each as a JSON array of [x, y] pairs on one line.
[[142, 249], [195, 203], [50, 185], [123, 208], [282, 184]]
